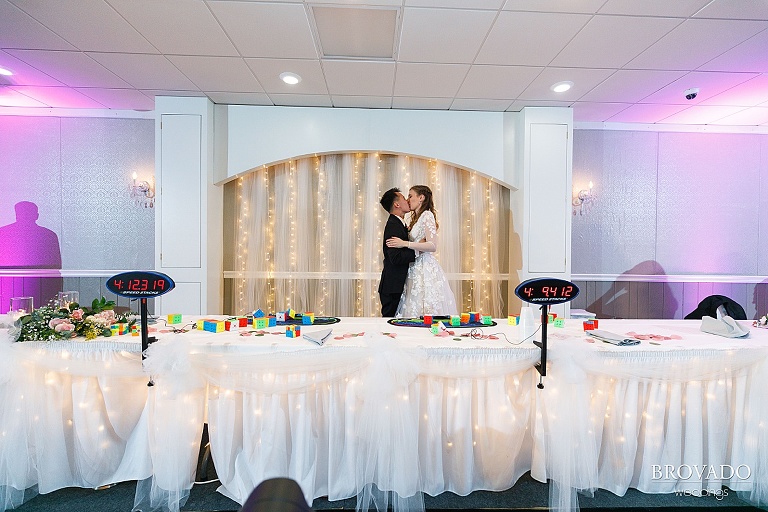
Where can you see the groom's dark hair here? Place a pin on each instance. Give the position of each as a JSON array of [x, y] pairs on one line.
[[388, 199]]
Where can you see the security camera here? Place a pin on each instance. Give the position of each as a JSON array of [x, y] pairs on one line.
[[691, 93]]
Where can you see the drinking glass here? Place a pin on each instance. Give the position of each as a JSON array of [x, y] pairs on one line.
[[66, 298], [20, 306]]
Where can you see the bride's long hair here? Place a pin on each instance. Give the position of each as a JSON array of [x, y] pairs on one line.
[[428, 204]]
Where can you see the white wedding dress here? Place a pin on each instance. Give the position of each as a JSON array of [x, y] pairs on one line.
[[426, 287]]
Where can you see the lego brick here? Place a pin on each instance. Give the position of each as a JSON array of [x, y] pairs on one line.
[[174, 318]]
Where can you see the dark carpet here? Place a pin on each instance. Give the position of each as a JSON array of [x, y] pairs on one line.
[[526, 495]]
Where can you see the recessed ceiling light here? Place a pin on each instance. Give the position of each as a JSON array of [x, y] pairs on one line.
[[290, 78], [561, 86], [5, 72]]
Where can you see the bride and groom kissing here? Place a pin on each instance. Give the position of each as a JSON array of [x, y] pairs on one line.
[[412, 282]]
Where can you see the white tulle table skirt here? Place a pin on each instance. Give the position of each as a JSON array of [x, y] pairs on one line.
[[415, 414]]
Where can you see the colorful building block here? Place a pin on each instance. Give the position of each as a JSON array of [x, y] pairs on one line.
[[487, 320], [174, 318], [435, 329], [513, 319], [261, 323], [550, 318], [242, 321], [291, 313], [135, 330], [293, 331], [474, 316], [308, 318], [122, 328], [213, 326], [114, 329], [258, 314], [559, 322], [464, 318], [428, 320], [271, 321], [281, 316], [455, 320]]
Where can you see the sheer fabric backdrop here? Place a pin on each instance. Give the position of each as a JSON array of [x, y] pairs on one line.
[[308, 234]]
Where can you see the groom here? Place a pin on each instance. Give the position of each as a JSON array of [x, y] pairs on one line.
[[396, 260]]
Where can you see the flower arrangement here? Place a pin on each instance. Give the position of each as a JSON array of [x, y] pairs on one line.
[[50, 323]]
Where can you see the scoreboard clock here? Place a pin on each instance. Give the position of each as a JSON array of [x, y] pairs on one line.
[[547, 290], [140, 283], [544, 291]]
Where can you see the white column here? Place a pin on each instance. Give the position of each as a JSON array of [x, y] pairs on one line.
[[188, 222], [539, 150]]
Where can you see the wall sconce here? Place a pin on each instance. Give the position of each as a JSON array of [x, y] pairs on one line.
[[143, 192], [582, 200]]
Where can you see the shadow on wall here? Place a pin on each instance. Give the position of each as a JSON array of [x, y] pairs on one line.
[[26, 245], [760, 299], [635, 299]]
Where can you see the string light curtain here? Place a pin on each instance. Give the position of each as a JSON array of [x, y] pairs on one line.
[[308, 234]]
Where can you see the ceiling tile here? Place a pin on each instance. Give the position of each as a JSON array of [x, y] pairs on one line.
[[748, 117], [217, 74], [485, 105], [587, 112], [23, 73], [355, 78], [120, 99], [696, 42], [90, 25], [420, 103], [268, 71], [431, 80], [301, 100], [612, 41], [151, 93], [456, 4], [747, 94], [582, 6], [743, 10], [239, 98], [443, 35], [631, 85], [11, 98], [74, 69], [678, 8], [144, 71], [527, 38], [497, 82], [518, 105], [709, 85], [362, 101], [59, 97], [344, 31], [583, 80], [640, 113], [20, 30], [267, 30], [699, 114], [376, 3], [193, 31], [748, 56]]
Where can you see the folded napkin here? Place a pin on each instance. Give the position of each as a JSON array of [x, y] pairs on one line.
[[615, 339], [725, 326], [318, 337]]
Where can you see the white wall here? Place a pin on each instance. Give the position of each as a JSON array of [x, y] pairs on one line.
[[259, 136]]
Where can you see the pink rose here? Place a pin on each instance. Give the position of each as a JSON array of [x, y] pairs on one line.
[[77, 314], [64, 327], [56, 321]]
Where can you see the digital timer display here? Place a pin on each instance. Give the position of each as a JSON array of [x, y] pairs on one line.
[[547, 290], [140, 284]]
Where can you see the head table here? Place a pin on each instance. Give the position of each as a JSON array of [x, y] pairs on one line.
[[387, 413]]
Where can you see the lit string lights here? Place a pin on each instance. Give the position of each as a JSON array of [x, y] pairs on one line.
[[322, 222]]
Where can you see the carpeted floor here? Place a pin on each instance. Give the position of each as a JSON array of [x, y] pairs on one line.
[[527, 495]]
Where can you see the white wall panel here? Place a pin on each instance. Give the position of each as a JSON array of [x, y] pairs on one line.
[[180, 191], [547, 199]]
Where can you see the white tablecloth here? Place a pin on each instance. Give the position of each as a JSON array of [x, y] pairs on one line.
[[396, 407]]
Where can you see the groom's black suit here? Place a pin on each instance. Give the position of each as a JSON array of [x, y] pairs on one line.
[[395, 270]]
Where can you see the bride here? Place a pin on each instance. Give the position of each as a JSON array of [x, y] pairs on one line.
[[426, 287]]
